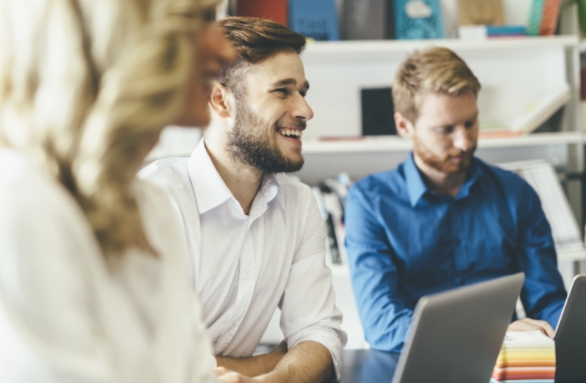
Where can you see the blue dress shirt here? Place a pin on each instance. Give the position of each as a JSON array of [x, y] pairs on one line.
[[404, 241]]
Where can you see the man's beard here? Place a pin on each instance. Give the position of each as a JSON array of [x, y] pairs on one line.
[[251, 145], [443, 164]]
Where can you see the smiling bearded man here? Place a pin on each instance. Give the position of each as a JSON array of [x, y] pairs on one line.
[[255, 236]]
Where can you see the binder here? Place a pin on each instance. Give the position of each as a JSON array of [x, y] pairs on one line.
[[317, 19], [368, 20], [275, 10], [418, 19], [481, 12]]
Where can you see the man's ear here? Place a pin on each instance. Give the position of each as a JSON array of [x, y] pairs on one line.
[[404, 127], [219, 100]]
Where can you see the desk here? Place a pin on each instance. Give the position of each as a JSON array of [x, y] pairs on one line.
[[368, 366]]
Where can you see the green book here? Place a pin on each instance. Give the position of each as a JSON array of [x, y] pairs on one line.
[[535, 18]]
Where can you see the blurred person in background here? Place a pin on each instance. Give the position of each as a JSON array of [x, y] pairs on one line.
[[93, 285], [444, 218]]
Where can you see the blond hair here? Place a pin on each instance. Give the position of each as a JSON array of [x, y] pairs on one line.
[[86, 86], [434, 70]]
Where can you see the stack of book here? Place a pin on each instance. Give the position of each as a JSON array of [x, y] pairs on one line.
[[478, 32], [526, 356]]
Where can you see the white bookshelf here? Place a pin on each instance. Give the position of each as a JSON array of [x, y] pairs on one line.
[[395, 143], [377, 49], [516, 74]]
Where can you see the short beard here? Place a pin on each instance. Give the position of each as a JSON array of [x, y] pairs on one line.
[[249, 144], [442, 164]]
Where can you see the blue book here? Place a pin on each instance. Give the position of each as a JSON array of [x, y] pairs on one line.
[[506, 30], [418, 19], [535, 18], [317, 19]]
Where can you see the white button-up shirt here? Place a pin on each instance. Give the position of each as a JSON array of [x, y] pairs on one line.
[[244, 266], [66, 317]]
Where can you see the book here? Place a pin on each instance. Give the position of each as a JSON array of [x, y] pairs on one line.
[[418, 19], [541, 109], [550, 17], [481, 32], [275, 10], [535, 18], [377, 112], [525, 356], [368, 20], [316, 19], [481, 12]]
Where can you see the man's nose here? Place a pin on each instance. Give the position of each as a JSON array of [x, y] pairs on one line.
[[301, 109], [463, 139]]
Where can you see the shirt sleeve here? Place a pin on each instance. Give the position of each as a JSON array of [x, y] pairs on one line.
[[46, 321], [543, 294], [384, 315], [308, 305]]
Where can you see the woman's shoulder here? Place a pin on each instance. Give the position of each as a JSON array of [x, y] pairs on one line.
[[36, 209], [161, 221]]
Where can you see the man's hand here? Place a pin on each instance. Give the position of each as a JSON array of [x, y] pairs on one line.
[[532, 325], [226, 376], [254, 365]]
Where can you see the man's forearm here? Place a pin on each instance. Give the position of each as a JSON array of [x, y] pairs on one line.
[[308, 362], [251, 366]]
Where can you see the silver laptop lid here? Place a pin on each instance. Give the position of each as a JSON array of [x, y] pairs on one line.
[[455, 336]]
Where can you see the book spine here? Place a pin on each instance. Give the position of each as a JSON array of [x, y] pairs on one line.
[[535, 18], [391, 28], [275, 10], [550, 16], [506, 30]]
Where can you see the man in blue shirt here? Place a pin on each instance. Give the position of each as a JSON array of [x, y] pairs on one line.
[[444, 218]]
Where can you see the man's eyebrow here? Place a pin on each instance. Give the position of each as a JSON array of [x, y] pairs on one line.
[[290, 81]]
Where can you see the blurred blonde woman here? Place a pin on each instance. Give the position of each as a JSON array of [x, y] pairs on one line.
[[92, 285]]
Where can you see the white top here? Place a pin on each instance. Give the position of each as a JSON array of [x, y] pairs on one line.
[[64, 317], [244, 266]]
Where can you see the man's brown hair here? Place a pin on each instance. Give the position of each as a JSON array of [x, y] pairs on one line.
[[434, 70], [255, 40]]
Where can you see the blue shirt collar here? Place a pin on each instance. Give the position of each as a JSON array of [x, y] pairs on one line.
[[416, 187]]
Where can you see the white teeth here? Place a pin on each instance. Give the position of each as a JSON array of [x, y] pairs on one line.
[[291, 132]]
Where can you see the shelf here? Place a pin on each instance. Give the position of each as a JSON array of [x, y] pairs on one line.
[[572, 255], [386, 144], [376, 48], [582, 46]]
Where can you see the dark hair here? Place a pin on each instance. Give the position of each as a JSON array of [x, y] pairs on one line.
[[255, 40]]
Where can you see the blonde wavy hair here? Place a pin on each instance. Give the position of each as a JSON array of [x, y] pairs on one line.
[[433, 70], [86, 86]]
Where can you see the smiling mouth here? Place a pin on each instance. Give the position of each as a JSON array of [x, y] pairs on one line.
[[290, 132]]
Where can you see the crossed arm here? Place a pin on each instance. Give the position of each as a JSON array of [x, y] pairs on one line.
[[307, 362], [254, 365]]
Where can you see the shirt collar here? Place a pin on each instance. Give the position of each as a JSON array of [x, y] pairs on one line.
[[416, 188], [211, 190], [209, 187], [270, 189]]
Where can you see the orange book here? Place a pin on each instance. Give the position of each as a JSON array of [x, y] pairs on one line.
[[275, 10], [550, 16]]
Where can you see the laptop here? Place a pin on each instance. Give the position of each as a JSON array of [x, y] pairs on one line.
[[456, 336], [570, 336]]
